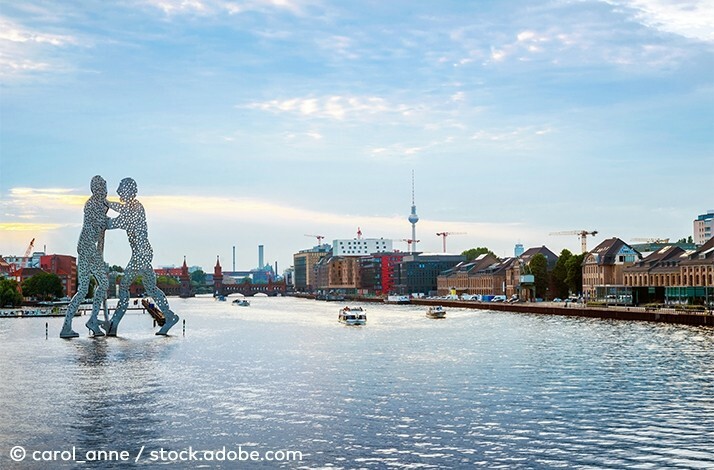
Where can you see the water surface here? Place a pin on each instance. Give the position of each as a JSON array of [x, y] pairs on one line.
[[479, 388]]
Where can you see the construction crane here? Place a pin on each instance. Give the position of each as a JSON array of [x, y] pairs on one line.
[[582, 234], [651, 240], [443, 235], [17, 272], [409, 243], [319, 238]]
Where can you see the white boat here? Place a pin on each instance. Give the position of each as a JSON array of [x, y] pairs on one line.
[[241, 302], [397, 299], [352, 316], [436, 311]]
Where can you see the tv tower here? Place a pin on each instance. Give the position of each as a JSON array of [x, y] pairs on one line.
[[413, 219]]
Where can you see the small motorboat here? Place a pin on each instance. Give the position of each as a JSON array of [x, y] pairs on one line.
[[436, 312], [352, 316], [241, 302]]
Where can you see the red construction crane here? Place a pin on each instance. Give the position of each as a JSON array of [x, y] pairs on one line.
[[319, 238], [443, 235], [17, 272], [409, 243], [582, 234]]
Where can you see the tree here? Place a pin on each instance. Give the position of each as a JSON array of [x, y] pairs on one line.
[[9, 295], [198, 277], [689, 240], [559, 285], [43, 286], [539, 268], [167, 281], [116, 269], [475, 252], [574, 277]]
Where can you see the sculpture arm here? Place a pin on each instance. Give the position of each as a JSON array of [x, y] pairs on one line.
[[115, 206]]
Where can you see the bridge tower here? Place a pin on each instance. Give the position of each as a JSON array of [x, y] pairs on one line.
[[185, 279], [218, 277]]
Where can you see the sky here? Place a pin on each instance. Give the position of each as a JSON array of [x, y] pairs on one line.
[[254, 122]]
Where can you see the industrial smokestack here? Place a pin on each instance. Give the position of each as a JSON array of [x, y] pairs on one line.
[[261, 261], [234, 258]]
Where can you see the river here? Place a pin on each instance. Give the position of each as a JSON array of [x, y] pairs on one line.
[[477, 389]]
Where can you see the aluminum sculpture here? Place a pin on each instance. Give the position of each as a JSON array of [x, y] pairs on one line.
[[132, 219], [90, 260]]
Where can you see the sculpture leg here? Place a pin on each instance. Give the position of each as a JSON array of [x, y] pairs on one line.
[[67, 331], [100, 294], [157, 294], [122, 305]]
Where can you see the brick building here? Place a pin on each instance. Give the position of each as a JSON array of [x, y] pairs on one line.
[[65, 267]]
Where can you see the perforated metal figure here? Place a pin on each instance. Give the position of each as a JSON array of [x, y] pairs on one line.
[[132, 218], [90, 260]]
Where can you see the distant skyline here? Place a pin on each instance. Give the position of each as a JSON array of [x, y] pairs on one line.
[[262, 121]]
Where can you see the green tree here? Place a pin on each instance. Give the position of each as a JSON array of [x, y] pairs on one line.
[[198, 277], [472, 253], [538, 266], [9, 295], [44, 286], [116, 269], [167, 281], [574, 277], [558, 282]]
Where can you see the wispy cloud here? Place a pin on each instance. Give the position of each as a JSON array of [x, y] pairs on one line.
[[331, 107], [213, 7], [511, 136], [24, 50], [689, 18], [208, 210]]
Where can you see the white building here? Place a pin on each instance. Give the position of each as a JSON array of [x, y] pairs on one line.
[[703, 227], [361, 246], [25, 262]]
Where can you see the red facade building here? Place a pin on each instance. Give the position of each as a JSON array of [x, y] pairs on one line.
[[65, 267]]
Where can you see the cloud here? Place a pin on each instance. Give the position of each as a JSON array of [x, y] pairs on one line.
[[312, 135], [515, 135], [13, 32], [216, 7], [29, 227], [210, 211], [24, 50], [331, 107], [689, 18]]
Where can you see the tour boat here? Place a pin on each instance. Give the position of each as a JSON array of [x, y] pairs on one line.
[[352, 316], [436, 312], [241, 302]]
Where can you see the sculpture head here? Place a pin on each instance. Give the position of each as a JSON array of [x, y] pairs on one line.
[[98, 186], [127, 190]]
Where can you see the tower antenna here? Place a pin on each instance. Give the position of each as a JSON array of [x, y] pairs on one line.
[[413, 219]]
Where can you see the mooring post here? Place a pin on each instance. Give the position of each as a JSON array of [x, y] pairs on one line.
[[47, 331], [184, 327]]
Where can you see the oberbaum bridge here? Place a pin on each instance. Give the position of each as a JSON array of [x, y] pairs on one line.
[[184, 289]]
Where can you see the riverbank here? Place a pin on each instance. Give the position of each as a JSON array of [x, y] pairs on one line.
[[571, 310]]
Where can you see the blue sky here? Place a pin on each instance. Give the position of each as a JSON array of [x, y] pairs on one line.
[[260, 121]]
